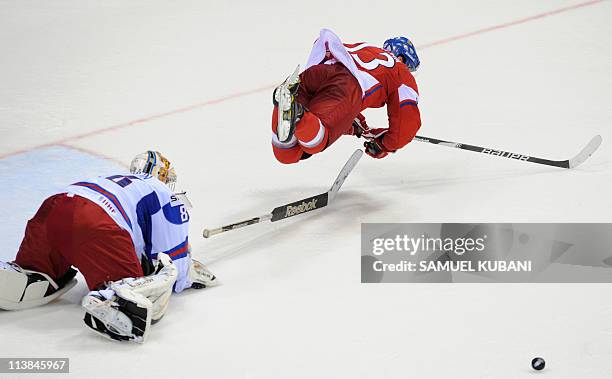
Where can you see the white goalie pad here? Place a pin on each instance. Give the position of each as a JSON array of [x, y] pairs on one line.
[[156, 287], [127, 308], [117, 318], [22, 289]]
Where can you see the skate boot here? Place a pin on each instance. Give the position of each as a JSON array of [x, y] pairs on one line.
[[289, 110]]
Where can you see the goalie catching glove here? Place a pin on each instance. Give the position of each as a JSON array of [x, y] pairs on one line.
[[200, 276]]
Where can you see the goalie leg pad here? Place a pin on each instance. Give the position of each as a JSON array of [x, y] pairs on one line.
[[157, 287], [116, 318], [22, 289], [127, 308]]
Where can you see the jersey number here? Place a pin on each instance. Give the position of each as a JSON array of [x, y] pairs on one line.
[[385, 60], [184, 214], [122, 180]]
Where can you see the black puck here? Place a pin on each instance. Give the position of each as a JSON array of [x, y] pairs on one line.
[[538, 363]]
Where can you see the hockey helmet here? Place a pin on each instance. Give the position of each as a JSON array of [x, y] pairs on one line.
[[402, 48], [155, 164]]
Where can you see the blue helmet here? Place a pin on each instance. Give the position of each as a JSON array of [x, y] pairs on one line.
[[401, 47]]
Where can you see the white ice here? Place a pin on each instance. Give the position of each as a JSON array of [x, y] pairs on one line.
[[291, 304]]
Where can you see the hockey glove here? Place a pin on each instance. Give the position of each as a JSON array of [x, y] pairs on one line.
[[360, 126], [375, 148], [201, 276]]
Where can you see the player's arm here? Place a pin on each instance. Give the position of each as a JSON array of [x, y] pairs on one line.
[[170, 236], [404, 118], [404, 122]]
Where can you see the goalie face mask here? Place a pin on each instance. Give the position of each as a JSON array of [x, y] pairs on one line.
[[155, 164]]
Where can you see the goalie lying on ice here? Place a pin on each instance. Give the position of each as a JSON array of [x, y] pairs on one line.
[[127, 235]]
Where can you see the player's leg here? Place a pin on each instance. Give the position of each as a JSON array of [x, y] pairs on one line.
[[285, 152], [39, 274], [123, 302], [125, 309], [331, 111], [337, 104], [36, 252], [100, 249], [311, 134]]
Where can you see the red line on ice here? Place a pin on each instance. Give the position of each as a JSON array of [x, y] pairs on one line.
[[188, 108], [511, 23]]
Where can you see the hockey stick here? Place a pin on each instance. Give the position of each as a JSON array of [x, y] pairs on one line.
[[298, 207], [582, 156]]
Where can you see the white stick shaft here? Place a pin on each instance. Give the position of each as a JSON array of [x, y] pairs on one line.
[[207, 233]]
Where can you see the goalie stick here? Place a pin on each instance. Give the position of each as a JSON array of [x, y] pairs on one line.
[[577, 160], [298, 207]]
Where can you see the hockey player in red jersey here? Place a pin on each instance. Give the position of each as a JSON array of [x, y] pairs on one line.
[[127, 235], [339, 82]]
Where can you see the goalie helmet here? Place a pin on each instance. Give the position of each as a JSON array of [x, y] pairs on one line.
[[402, 48], [155, 164]]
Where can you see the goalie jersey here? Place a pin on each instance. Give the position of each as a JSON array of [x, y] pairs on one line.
[[148, 210]]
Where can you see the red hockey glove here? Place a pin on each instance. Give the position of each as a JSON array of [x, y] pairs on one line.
[[360, 126], [375, 148]]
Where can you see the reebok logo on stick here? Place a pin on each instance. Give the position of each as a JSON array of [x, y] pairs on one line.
[[304, 207]]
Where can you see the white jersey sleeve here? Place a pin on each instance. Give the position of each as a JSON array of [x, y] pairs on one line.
[[157, 221]]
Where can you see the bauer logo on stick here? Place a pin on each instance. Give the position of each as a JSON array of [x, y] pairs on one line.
[[506, 154]]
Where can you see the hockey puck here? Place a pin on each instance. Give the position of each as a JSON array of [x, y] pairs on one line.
[[538, 363]]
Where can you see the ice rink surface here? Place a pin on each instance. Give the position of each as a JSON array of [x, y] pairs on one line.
[[86, 85]]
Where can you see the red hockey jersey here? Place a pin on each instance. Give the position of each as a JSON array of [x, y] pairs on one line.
[[384, 80]]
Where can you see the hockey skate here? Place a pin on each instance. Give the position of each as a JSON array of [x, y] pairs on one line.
[[289, 110]]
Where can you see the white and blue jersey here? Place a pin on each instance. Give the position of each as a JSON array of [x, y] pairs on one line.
[[145, 207]]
